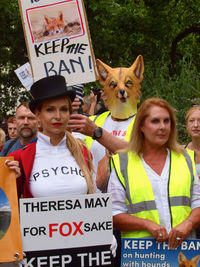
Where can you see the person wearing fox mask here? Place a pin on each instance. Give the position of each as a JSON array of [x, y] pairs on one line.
[[111, 129]]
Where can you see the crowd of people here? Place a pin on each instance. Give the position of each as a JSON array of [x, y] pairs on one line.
[[154, 181]]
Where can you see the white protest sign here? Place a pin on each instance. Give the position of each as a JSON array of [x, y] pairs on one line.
[[24, 74], [58, 39], [66, 222]]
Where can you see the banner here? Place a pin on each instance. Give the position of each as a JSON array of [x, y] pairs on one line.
[[148, 253], [10, 237], [58, 39], [69, 231], [24, 74]]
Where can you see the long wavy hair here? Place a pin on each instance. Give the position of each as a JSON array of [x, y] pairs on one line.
[[136, 143], [75, 146]]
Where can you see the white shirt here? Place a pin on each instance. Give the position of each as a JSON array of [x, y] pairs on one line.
[[55, 172], [117, 128], [159, 186]]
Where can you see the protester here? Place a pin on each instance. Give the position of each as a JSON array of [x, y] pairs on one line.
[[55, 147], [2, 138], [52, 107], [110, 129], [89, 104], [121, 91], [11, 128], [153, 192], [103, 107], [27, 127], [193, 128]]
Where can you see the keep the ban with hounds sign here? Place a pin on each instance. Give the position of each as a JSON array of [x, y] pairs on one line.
[[58, 40]]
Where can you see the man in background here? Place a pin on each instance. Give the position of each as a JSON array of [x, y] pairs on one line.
[[11, 128], [27, 128]]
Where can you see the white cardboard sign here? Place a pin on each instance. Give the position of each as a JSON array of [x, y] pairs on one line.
[[24, 74], [58, 39], [66, 222]]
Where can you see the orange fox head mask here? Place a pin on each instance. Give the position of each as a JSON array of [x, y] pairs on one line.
[[121, 87], [183, 262]]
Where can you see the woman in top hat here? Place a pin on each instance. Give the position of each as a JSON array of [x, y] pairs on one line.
[[56, 164], [53, 165]]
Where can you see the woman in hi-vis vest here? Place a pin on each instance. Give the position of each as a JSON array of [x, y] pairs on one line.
[[154, 186], [192, 119]]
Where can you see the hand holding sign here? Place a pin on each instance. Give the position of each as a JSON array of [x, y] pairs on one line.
[[14, 165], [10, 237]]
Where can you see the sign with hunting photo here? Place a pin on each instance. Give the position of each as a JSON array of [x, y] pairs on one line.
[[10, 235], [58, 40]]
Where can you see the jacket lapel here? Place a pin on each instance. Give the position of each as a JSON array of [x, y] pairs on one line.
[[27, 159]]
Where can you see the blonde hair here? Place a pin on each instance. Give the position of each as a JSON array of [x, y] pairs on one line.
[[2, 137], [137, 138], [75, 146], [190, 111]]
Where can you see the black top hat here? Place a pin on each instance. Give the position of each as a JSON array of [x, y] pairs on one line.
[[47, 88]]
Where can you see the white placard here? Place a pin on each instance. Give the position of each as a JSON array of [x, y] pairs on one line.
[[66, 222], [58, 40], [24, 74]]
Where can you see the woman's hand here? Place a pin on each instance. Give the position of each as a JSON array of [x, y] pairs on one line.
[[14, 165], [93, 98], [179, 233], [157, 231], [113, 247]]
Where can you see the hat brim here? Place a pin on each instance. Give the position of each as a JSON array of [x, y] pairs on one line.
[[34, 103]]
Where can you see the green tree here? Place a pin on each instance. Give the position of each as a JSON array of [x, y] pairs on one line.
[[13, 54], [165, 32]]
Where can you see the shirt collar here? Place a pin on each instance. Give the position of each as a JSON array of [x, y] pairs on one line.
[[44, 140]]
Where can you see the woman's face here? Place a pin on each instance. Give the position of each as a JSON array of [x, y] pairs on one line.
[[54, 116], [193, 124], [156, 126]]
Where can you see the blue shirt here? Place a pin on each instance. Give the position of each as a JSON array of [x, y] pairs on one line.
[[16, 146]]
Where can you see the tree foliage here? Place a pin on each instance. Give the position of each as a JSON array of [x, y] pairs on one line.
[[13, 54], [166, 33]]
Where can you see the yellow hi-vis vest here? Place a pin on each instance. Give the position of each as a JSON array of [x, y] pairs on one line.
[[140, 199], [99, 121]]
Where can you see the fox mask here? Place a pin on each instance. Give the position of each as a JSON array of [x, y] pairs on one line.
[[121, 87], [183, 262]]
